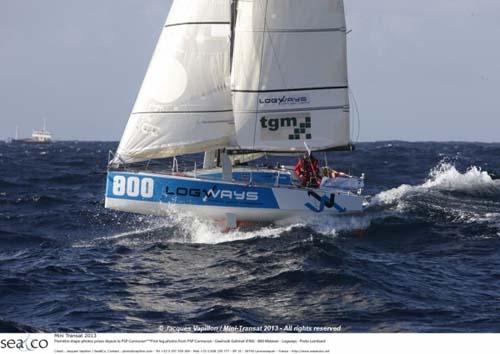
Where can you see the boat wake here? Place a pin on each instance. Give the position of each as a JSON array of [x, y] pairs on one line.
[[181, 227]]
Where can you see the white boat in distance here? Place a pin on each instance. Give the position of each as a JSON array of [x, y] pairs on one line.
[[42, 136], [238, 79]]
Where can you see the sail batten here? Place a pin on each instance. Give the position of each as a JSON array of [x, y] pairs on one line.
[[185, 112], [322, 108], [197, 23], [291, 30], [293, 89]]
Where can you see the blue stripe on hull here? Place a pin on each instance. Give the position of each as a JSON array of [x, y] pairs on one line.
[[178, 190]]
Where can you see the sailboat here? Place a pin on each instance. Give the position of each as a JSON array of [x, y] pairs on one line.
[[237, 79]]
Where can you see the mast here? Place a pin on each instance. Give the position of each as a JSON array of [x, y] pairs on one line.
[[212, 158]]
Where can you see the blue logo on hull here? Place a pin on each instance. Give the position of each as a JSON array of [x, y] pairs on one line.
[[324, 201]]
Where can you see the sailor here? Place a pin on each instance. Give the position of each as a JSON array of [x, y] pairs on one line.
[[307, 169]]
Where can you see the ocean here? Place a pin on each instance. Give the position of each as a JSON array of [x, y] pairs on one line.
[[428, 259]]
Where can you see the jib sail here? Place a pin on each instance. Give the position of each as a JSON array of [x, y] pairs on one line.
[[289, 75]]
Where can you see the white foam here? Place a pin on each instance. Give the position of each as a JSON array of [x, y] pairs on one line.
[[191, 229], [199, 230], [488, 218], [138, 225], [205, 232], [131, 233], [444, 177], [392, 195], [331, 225]]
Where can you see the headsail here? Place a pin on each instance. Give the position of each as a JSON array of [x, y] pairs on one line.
[[289, 75], [184, 104]]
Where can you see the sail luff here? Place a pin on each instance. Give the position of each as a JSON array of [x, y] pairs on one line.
[[184, 104], [289, 78], [234, 15]]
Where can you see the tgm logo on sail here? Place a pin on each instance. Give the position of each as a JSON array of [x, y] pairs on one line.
[[284, 100], [286, 126]]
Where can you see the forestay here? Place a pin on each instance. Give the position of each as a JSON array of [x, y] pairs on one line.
[[184, 104], [289, 76]]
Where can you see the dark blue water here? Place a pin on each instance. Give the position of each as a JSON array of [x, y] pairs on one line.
[[428, 261]]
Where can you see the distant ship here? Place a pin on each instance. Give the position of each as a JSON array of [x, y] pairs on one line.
[[42, 136]]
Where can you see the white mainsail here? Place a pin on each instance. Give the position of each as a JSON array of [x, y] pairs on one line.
[[289, 75], [184, 104]]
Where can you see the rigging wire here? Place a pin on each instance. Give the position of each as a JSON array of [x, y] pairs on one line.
[[358, 120]]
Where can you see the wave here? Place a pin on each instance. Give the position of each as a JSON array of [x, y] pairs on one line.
[[36, 199], [8, 184], [74, 178], [445, 178], [16, 327], [332, 225], [447, 195], [20, 240]]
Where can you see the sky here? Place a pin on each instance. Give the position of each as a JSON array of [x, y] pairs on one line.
[[420, 70]]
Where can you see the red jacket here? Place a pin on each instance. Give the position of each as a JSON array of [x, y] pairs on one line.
[[308, 172]]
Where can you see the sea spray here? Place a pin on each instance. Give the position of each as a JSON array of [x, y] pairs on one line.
[[444, 177]]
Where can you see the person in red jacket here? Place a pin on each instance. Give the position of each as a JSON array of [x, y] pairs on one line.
[[307, 169]]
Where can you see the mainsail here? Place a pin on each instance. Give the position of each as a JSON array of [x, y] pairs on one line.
[[289, 75], [184, 104]]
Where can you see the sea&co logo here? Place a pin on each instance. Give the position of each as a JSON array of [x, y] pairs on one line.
[[28, 344]]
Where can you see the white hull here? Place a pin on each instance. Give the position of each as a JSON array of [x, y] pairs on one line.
[[210, 212]]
